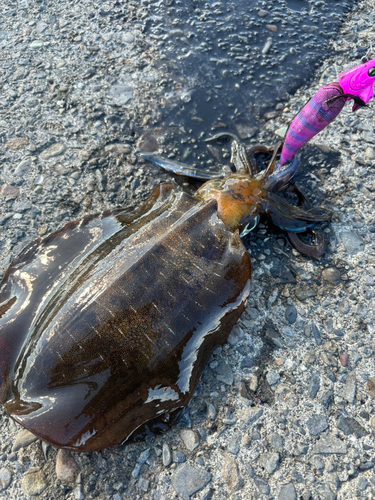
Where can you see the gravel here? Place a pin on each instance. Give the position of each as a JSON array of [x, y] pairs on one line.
[[285, 408], [5, 478], [187, 480], [287, 492]]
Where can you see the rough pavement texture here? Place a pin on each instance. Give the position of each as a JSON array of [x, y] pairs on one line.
[[285, 408]]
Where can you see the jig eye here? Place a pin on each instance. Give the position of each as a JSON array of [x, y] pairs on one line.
[[371, 72]]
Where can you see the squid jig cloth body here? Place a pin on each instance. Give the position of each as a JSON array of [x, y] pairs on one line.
[[355, 83], [319, 112]]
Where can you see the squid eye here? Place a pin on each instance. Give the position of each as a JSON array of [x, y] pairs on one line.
[[371, 72]]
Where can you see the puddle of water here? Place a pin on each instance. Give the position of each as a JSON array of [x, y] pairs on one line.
[[225, 65], [298, 5]]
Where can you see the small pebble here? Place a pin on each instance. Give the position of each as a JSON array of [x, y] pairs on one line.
[[305, 293], [190, 439], [143, 484], [272, 27], [273, 378], [128, 37], [329, 444], [16, 144], [78, 494], [332, 276], [362, 483], [269, 461], [250, 415], [349, 390], [267, 46], [66, 467], [224, 373], [36, 44], [234, 445], [262, 485], [167, 456], [349, 425], [188, 480], [143, 457], [370, 386], [53, 151], [316, 424], [281, 132], [23, 439], [5, 478], [211, 412], [287, 492], [34, 482], [178, 457], [291, 314], [344, 358], [276, 442], [231, 475], [352, 242]]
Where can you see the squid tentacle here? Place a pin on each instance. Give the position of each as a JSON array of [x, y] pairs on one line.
[[318, 246], [316, 249], [290, 217], [279, 179]]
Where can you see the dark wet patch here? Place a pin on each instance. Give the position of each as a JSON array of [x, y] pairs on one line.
[[226, 65], [298, 5]]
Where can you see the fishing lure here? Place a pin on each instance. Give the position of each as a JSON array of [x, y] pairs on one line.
[[355, 83]]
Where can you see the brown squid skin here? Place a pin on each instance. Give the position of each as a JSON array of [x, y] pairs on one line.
[[108, 323]]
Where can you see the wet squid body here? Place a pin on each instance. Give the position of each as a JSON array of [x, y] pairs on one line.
[[106, 324]]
